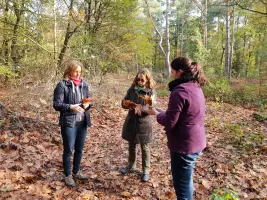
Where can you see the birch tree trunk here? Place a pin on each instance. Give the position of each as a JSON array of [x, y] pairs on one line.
[[167, 58], [167, 53]]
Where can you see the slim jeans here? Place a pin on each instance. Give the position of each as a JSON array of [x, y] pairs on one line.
[[182, 167], [73, 139], [145, 157]]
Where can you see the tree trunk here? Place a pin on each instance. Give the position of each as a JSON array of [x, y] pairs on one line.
[[232, 43], [88, 14], [67, 37], [167, 58], [205, 29], [15, 55], [182, 40], [175, 53], [227, 47], [5, 35], [155, 55], [55, 34]]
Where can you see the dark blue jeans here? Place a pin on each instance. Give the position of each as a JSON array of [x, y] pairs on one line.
[[73, 139], [182, 167]]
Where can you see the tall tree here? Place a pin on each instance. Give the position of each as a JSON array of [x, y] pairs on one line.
[[5, 32], [203, 8], [165, 53], [227, 42], [68, 34], [16, 55]]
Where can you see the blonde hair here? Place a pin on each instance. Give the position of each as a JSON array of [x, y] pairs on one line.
[[70, 67], [150, 81]]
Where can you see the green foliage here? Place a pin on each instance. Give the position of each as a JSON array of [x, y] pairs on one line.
[[163, 92], [246, 93], [218, 89], [261, 117], [224, 194], [108, 67], [7, 72], [193, 47], [242, 93], [242, 137]]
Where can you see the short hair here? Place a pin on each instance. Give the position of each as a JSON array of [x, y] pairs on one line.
[[70, 67]]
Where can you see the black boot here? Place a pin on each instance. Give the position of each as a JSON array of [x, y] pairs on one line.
[[126, 170], [145, 177]]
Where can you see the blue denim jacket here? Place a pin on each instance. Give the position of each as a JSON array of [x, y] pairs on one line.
[[64, 96]]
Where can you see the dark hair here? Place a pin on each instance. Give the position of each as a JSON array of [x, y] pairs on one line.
[[191, 70]]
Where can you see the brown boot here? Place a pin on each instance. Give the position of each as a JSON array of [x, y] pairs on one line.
[[69, 181], [80, 176]]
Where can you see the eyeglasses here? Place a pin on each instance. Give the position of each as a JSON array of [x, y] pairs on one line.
[[139, 79]]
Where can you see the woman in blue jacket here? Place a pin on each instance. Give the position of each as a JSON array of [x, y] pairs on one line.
[[74, 118]]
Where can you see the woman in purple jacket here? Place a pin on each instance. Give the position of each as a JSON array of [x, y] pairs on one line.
[[184, 123]]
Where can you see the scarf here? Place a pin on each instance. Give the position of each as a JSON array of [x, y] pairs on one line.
[[76, 81], [139, 88], [178, 81]]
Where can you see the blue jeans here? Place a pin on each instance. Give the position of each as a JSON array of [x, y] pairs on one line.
[[182, 167], [73, 139]]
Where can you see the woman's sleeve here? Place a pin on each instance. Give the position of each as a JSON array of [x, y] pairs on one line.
[[127, 97], [176, 104], [58, 100]]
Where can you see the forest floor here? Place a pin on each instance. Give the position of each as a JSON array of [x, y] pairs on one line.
[[234, 161]]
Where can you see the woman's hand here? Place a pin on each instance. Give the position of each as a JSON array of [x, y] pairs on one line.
[[76, 108], [150, 110], [86, 105], [160, 110], [138, 110]]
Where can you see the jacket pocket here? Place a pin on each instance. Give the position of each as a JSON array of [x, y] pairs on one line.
[[68, 119]]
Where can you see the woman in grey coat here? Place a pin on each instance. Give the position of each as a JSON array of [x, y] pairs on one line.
[[137, 128]]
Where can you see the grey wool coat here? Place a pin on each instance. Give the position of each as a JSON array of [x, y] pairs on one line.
[[137, 129]]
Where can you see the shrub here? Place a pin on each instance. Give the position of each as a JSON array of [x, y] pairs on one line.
[[6, 73], [224, 194], [218, 89]]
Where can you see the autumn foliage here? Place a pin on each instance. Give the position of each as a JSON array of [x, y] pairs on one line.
[[87, 100], [129, 104], [147, 99]]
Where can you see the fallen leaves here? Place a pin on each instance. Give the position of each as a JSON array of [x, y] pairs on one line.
[[32, 169]]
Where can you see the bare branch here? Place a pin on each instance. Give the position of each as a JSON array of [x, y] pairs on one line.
[[199, 6], [249, 9], [156, 29]]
